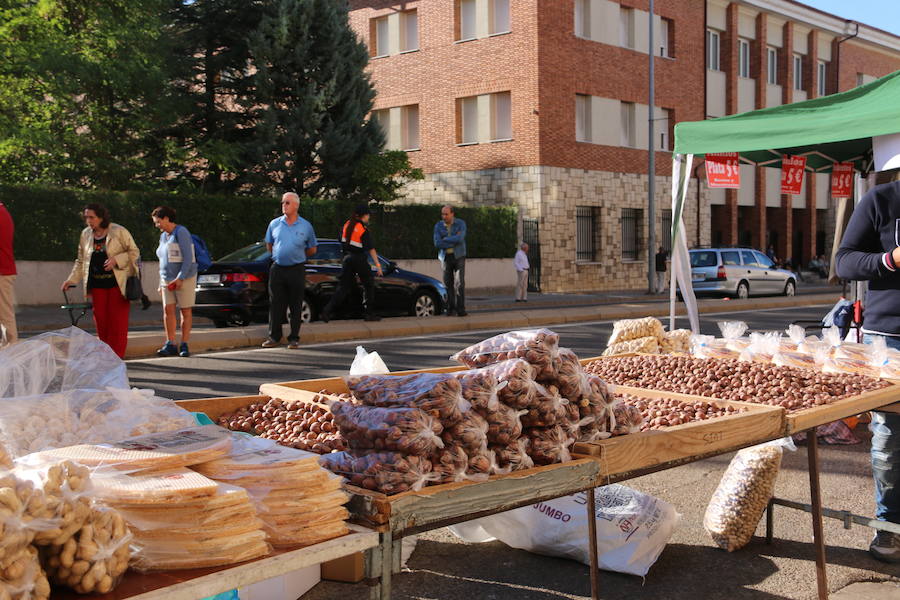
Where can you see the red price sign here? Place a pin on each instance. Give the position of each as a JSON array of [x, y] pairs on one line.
[[792, 168], [842, 180], [722, 170]]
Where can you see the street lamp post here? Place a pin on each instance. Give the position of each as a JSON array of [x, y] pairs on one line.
[[651, 168]]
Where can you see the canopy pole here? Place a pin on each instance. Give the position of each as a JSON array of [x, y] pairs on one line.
[[681, 260]]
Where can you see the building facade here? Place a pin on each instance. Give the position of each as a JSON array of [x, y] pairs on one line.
[[543, 104]]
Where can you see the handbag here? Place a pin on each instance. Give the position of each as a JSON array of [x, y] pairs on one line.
[[133, 288]]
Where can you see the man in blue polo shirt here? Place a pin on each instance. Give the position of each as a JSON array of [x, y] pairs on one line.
[[291, 240]]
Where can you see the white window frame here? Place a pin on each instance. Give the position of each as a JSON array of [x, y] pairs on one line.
[[713, 50], [743, 58], [665, 33], [382, 41], [822, 78], [798, 72], [626, 27], [584, 118], [771, 65], [493, 26], [405, 18], [628, 133]]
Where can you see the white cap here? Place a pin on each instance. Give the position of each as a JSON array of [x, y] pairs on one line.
[[887, 151]]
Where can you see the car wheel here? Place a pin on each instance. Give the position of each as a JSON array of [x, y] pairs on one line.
[[307, 313], [240, 320], [743, 290], [790, 288], [220, 323], [424, 305]]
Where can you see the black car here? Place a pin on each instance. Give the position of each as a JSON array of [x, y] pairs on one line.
[[234, 290]]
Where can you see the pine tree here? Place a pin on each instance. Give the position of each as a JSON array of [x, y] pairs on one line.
[[310, 98]]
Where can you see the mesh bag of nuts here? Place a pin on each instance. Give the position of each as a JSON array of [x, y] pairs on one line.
[[22, 578], [743, 494], [439, 394], [406, 430], [387, 472], [538, 347], [644, 345], [95, 558], [632, 329]]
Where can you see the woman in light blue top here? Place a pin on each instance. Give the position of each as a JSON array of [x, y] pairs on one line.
[[177, 278]]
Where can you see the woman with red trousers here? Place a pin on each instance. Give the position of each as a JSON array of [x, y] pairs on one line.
[[107, 256]]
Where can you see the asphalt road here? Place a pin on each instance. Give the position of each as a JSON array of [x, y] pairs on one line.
[[690, 567]]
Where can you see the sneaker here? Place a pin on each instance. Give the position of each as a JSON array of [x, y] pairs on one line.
[[168, 349], [371, 318], [270, 343], [145, 302], [183, 350], [294, 345], [886, 547]]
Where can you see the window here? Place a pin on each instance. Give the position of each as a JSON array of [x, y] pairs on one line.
[[626, 27], [749, 259], [382, 37], [583, 126], [772, 66], [583, 19], [587, 233], [731, 258], [467, 19], [744, 58], [798, 72], [628, 125], [632, 219], [704, 258], [712, 49], [763, 260], [665, 34], [400, 125], [409, 31], [667, 230], [662, 129], [493, 111], [327, 253], [821, 77]]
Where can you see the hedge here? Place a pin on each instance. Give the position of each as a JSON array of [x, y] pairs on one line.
[[48, 222]]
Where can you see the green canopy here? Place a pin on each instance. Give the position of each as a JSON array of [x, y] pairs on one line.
[[836, 128]]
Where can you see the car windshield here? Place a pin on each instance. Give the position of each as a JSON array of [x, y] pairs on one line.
[[704, 258], [251, 253]]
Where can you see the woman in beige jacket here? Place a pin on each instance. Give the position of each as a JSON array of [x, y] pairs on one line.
[[107, 256]]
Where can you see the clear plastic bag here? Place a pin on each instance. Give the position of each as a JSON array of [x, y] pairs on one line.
[[514, 456], [743, 494], [763, 347], [407, 430], [59, 361], [58, 498], [550, 409], [676, 341], [484, 464], [438, 394], [22, 578], [644, 345], [885, 361], [517, 385], [95, 559], [386, 472], [451, 464], [470, 433], [549, 445], [706, 346], [841, 348], [156, 555], [624, 418], [480, 387], [632, 329], [733, 335], [367, 363], [538, 347], [504, 425], [800, 360]]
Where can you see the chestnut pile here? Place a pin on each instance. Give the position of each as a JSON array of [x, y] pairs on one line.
[[791, 388]]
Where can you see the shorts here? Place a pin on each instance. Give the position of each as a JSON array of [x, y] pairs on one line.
[[184, 297]]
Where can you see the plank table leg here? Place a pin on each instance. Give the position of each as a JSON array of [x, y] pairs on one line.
[[812, 454], [592, 536], [387, 564]]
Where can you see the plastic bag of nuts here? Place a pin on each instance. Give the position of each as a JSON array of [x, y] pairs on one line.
[[95, 558], [632, 329], [484, 464], [65, 503], [644, 345], [743, 494], [549, 445], [504, 425], [22, 578], [517, 386], [538, 347], [514, 456], [624, 418], [407, 430], [550, 409], [678, 340], [470, 433], [386, 472], [438, 394], [480, 387]]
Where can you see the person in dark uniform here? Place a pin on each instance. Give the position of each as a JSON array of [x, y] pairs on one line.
[[356, 243]]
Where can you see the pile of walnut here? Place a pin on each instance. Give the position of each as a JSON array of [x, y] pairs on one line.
[[302, 425], [659, 413], [646, 336], [790, 388]]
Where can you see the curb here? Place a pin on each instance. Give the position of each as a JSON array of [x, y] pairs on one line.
[[145, 344]]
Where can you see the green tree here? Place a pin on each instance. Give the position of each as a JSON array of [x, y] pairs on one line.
[[310, 98]]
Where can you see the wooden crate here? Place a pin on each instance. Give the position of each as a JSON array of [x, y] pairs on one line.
[[638, 451], [335, 384]]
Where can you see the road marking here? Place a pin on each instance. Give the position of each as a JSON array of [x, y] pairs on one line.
[[711, 316]]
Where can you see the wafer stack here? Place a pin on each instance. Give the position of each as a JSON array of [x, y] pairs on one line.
[[299, 502], [183, 520]]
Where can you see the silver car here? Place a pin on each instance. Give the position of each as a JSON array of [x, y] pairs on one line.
[[739, 272]]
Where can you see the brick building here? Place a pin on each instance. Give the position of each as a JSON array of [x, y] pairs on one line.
[[542, 104]]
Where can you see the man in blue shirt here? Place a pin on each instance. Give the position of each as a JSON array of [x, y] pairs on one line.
[[291, 240], [177, 278], [450, 240]]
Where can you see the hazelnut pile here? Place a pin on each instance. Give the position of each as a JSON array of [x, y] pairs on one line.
[[787, 387], [659, 413], [301, 425]]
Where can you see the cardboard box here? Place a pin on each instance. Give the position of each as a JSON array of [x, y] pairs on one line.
[[287, 587], [347, 569]]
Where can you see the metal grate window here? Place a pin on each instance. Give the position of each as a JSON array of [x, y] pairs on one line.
[[586, 229], [666, 237], [632, 218]]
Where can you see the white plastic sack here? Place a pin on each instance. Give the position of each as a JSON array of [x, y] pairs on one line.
[[632, 528], [59, 361], [367, 363]]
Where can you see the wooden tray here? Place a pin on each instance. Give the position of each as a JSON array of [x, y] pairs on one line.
[[637, 451], [335, 385]]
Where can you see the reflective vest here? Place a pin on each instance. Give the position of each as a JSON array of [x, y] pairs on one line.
[[355, 239]]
